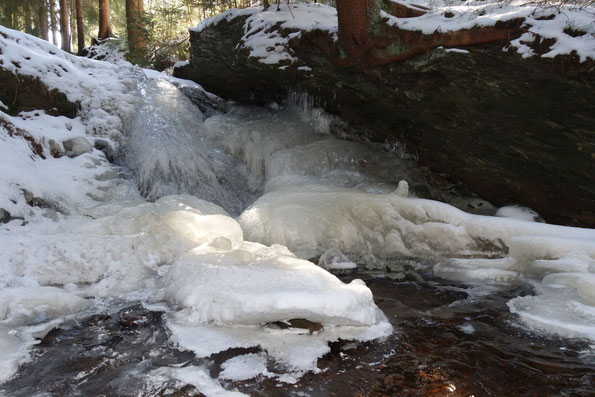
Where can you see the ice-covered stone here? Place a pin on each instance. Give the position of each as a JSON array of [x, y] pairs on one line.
[[77, 146]]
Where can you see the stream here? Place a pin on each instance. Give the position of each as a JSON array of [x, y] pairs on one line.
[[180, 280]]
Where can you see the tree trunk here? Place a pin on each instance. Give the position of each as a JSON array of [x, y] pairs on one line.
[[53, 22], [265, 4], [355, 20], [137, 36], [28, 19], [43, 20], [64, 26], [80, 27], [72, 16], [105, 28]]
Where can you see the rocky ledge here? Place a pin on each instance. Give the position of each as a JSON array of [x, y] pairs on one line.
[[511, 130]]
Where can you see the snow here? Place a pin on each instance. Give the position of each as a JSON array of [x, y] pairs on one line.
[[467, 328], [516, 212], [262, 38], [543, 21], [244, 367], [69, 182], [180, 64], [261, 34], [297, 352], [104, 91], [199, 378]]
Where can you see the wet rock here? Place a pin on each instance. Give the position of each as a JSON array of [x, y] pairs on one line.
[[5, 216], [56, 150], [40, 202], [25, 93], [76, 146], [210, 105], [300, 323], [511, 130], [106, 148]]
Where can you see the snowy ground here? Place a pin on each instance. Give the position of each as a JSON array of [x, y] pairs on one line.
[[572, 27], [82, 236]]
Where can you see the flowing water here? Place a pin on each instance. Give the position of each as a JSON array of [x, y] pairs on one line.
[[178, 296]]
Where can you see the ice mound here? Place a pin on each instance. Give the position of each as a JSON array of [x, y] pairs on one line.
[[254, 284], [310, 218], [212, 275]]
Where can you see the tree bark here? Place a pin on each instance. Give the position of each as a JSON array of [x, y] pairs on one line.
[[64, 25], [137, 36], [80, 27], [105, 28], [72, 16], [43, 20], [28, 19], [355, 18]]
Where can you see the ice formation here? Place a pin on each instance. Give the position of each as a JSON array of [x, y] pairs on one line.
[[92, 237]]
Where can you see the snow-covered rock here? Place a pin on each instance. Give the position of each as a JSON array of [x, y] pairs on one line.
[[77, 146]]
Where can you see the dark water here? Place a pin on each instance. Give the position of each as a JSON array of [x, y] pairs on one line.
[[450, 340]]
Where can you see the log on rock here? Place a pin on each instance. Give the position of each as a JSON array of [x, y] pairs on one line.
[[512, 130]]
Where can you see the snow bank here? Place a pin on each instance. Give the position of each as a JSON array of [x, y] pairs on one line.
[[105, 91], [570, 26], [65, 184], [321, 198], [261, 35]]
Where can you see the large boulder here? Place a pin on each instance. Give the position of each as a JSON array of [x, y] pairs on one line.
[[512, 130], [20, 92]]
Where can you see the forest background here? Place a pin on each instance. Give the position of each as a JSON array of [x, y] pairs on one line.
[[153, 33]]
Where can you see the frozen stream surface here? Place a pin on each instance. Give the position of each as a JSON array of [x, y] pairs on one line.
[[199, 261]]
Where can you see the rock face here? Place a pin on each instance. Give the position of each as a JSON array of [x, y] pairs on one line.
[[23, 93], [512, 130]]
